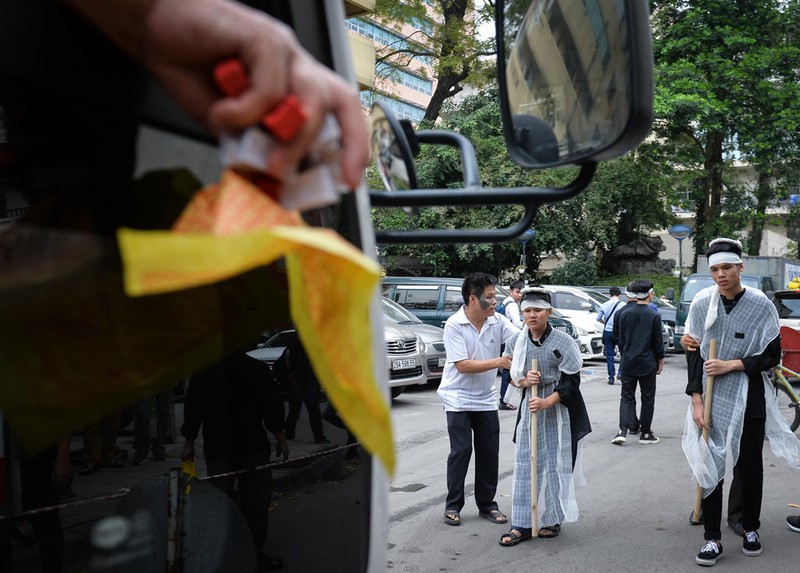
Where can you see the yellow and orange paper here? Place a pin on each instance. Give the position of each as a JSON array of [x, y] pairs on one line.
[[232, 227]]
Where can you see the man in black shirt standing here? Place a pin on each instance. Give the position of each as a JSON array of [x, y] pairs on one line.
[[641, 345]]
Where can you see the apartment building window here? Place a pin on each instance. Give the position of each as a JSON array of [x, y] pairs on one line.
[[405, 78], [401, 109], [386, 38]]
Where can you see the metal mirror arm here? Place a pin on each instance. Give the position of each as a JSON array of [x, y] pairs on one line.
[[530, 197], [469, 161]]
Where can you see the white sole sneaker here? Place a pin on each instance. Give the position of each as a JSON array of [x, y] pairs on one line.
[[619, 440]]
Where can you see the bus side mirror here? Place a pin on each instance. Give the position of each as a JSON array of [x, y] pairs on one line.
[[576, 79]]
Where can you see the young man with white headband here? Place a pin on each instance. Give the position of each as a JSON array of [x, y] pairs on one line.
[[472, 340], [641, 344], [553, 393], [744, 324]]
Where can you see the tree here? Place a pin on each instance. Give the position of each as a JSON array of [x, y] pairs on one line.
[[725, 90], [458, 54]]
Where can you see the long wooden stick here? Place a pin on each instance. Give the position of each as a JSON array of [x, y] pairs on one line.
[[534, 463], [698, 497]]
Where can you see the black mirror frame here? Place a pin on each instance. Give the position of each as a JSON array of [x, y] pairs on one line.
[[642, 89]]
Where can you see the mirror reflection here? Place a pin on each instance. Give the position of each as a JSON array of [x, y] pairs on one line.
[[391, 151], [568, 76]]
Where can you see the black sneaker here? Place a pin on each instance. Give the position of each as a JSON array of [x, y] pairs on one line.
[[139, 460], [620, 438], [793, 521], [635, 430], [751, 545], [648, 438], [709, 554]]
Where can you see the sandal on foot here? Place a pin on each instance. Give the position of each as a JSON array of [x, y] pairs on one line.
[[513, 537], [452, 517], [550, 531], [495, 516]]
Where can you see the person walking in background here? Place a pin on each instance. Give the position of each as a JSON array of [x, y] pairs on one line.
[[553, 394], [606, 316], [472, 340], [236, 401], [142, 443], [295, 367], [744, 324], [512, 313], [100, 445], [642, 347]]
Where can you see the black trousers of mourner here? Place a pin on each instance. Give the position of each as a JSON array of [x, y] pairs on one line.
[[750, 470]]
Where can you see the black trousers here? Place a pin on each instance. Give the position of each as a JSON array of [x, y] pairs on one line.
[[484, 429], [750, 471], [627, 402]]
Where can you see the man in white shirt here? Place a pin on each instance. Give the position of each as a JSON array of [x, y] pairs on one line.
[[513, 314], [472, 338], [606, 316]]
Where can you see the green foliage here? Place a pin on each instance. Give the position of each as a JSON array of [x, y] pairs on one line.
[[727, 88], [580, 271]]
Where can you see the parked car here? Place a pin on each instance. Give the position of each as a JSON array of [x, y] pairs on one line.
[[404, 359], [787, 302], [431, 299], [432, 343], [581, 309]]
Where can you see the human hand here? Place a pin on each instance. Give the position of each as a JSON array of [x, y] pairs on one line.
[[716, 367], [180, 42], [689, 343], [660, 366], [282, 447], [535, 404], [505, 362], [698, 413], [533, 378], [188, 453]]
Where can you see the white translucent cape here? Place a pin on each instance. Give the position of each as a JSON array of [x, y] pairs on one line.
[[556, 478], [736, 338]]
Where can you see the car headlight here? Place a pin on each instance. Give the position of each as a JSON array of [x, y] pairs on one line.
[[421, 344], [581, 331]]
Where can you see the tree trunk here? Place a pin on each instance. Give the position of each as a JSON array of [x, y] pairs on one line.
[[763, 195]]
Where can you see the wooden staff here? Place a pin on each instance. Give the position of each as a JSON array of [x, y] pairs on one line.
[[534, 463], [698, 497]]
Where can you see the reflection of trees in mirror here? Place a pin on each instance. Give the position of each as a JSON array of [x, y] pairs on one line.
[[627, 195]]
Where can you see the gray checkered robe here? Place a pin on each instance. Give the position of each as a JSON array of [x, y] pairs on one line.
[[746, 331], [556, 496]]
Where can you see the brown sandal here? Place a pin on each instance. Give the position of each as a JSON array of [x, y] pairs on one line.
[[550, 531]]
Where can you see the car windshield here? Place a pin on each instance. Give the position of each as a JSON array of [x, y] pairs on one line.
[[397, 313], [281, 339], [788, 305], [598, 296], [696, 284]]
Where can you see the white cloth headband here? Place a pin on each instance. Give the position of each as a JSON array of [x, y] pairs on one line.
[[534, 303], [724, 257], [639, 295]]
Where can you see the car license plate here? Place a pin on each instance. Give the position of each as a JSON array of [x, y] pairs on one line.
[[404, 363], [441, 362]]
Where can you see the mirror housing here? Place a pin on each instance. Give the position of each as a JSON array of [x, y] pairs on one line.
[[576, 80]]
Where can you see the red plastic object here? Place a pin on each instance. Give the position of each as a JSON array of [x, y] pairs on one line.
[[231, 77], [283, 121], [790, 344]]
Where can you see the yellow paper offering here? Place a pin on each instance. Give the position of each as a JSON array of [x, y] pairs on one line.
[[233, 227]]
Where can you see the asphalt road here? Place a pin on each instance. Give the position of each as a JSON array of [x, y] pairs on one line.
[[634, 509]]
